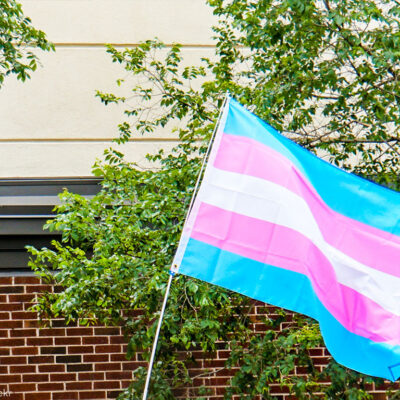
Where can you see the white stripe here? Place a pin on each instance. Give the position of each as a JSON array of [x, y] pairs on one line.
[[267, 201]]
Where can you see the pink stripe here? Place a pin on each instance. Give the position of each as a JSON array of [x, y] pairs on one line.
[[285, 248], [366, 244]]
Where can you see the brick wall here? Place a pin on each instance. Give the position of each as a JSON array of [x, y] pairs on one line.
[[76, 363], [212, 374], [62, 362]]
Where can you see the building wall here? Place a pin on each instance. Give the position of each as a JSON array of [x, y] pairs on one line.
[[61, 362], [52, 125]]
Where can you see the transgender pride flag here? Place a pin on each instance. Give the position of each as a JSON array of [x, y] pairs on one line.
[[276, 223]]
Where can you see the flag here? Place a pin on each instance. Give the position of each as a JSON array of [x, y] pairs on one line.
[[276, 223]]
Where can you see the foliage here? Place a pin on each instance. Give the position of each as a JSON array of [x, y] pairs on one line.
[[325, 70], [17, 38]]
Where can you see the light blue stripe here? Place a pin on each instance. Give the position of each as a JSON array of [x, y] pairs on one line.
[[345, 193], [293, 291]]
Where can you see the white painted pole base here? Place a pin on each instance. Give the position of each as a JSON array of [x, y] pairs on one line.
[[153, 351]]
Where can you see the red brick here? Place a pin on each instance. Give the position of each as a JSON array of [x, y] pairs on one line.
[[39, 288], [35, 378], [23, 332], [198, 382], [95, 340], [132, 313], [119, 375], [52, 332], [3, 370], [10, 324], [118, 340], [24, 315], [220, 381], [92, 395], [11, 289], [277, 389], [39, 341], [213, 363], [12, 342], [107, 385], [130, 366], [226, 372], [40, 360], [30, 280], [67, 340], [25, 351], [69, 359], [108, 348], [61, 323], [31, 324], [380, 396], [53, 350], [383, 386], [22, 387], [80, 349], [52, 368], [4, 315], [11, 306], [118, 357], [6, 280], [79, 367], [96, 358], [10, 378], [79, 385], [79, 331], [4, 351], [259, 327], [301, 370], [66, 396], [91, 376], [50, 386], [12, 360], [107, 331], [38, 396], [315, 352], [321, 360], [15, 396], [62, 377], [113, 394], [21, 298], [3, 333], [223, 354], [108, 367], [21, 369]]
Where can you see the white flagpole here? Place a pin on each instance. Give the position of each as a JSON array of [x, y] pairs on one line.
[[171, 272], [153, 351]]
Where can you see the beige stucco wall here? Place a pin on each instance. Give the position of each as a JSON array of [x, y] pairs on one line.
[[52, 125]]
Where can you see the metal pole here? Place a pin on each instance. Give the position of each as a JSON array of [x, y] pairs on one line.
[[153, 351]]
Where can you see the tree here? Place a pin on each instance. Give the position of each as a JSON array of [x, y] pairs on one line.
[[17, 38], [325, 73]]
